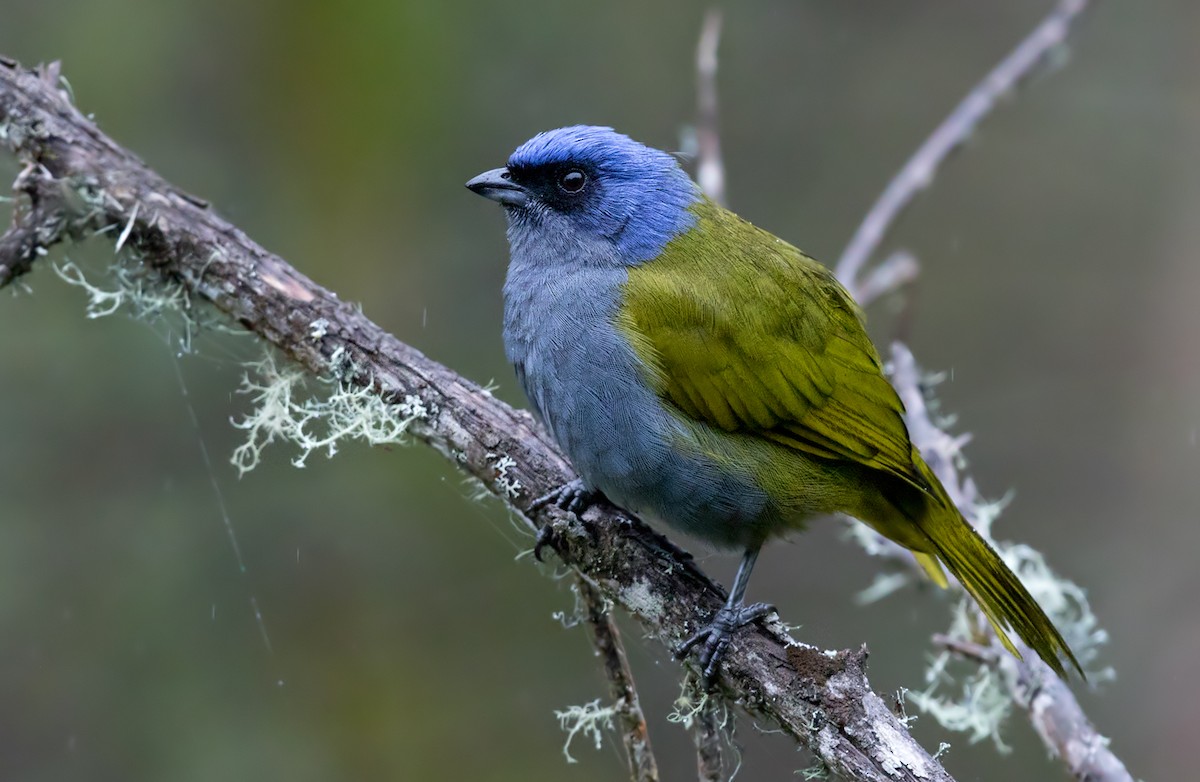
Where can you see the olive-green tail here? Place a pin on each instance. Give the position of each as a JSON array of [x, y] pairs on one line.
[[999, 593], [933, 568]]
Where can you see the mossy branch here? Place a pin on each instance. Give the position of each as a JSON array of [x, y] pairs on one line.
[[77, 182]]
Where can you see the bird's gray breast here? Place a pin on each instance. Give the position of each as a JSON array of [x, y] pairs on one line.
[[589, 389], [582, 377]]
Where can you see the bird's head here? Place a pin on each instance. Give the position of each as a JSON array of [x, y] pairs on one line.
[[583, 184]]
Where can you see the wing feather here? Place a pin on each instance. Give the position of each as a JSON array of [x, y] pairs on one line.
[[749, 334]]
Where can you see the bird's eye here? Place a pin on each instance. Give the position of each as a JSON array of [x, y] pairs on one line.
[[572, 181]]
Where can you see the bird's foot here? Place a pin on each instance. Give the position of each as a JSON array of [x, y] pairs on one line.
[[572, 497], [718, 633]]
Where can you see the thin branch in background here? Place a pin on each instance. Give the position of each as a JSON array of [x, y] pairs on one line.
[[919, 171], [984, 655], [1053, 712], [1059, 721], [606, 638], [707, 733], [897, 270], [1052, 708], [710, 169]]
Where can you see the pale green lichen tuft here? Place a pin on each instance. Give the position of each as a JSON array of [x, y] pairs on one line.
[[413, 408], [142, 295], [884, 585], [983, 702], [902, 715], [508, 484], [101, 302], [285, 411], [591, 720], [318, 329], [979, 708], [1065, 602], [578, 612], [689, 709], [146, 298], [979, 703], [693, 700]]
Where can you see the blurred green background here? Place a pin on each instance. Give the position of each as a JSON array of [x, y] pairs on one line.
[[400, 636]]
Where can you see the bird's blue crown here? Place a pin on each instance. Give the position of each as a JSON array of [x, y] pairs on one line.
[[641, 195]]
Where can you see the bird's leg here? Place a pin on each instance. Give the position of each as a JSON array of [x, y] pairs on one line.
[[717, 634], [573, 497]]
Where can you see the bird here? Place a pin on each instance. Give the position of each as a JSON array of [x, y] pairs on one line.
[[702, 373]]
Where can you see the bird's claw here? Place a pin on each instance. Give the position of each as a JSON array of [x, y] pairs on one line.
[[545, 537], [717, 635], [572, 497]]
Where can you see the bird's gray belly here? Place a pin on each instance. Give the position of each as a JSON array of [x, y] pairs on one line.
[[590, 391]]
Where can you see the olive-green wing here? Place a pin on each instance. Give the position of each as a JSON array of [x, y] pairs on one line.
[[745, 332]]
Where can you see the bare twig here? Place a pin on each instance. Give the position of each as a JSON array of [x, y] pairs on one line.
[[919, 171], [822, 700], [1052, 708], [710, 169], [984, 655], [607, 640], [1059, 721], [897, 269], [706, 733]]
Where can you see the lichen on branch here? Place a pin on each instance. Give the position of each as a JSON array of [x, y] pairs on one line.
[[286, 411]]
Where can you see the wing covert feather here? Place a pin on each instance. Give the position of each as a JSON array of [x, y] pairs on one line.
[[747, 333]]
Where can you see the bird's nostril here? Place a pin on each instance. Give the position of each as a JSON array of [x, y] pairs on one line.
[[505, 175]]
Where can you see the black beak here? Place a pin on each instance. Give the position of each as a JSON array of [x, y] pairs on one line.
[[497, 185]]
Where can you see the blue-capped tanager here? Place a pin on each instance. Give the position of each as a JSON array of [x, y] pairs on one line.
[[703, 372]]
